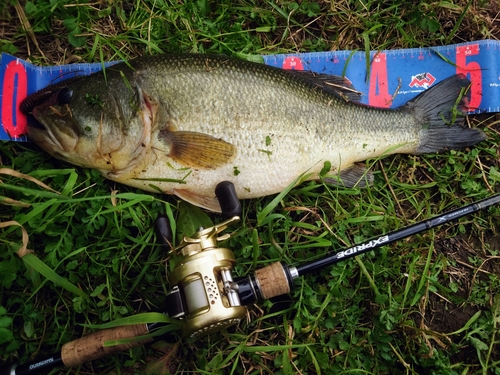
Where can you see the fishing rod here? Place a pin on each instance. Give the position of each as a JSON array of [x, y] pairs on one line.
[[205, 297]]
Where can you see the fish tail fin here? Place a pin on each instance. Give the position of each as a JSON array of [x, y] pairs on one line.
[[439, 109]]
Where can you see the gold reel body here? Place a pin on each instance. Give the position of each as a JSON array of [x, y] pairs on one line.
[[204, 277]]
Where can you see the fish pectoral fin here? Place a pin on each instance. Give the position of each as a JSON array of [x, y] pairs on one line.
[[198, 150], [355, 176], [210, 203]]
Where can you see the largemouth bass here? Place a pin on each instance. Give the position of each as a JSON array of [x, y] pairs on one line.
[[180, 124]]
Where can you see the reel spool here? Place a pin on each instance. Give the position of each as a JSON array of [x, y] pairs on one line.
[[203, 293]]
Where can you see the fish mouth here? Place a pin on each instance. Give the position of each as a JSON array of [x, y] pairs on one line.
[[52, 128], [34, 123], [50, 122], [44, 138]]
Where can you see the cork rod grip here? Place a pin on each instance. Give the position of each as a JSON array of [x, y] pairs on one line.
[[91, 347], [272, 281]]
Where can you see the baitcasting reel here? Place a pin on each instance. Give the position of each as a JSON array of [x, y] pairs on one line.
[[202, 281], [202, 293]]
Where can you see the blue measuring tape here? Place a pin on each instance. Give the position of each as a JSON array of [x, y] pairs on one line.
[[378, 75]]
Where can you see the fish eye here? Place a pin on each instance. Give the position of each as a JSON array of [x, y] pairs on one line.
[[64, 96]]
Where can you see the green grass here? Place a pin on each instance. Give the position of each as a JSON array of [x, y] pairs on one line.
[[426, 305]]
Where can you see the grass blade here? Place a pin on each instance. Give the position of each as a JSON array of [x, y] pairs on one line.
[[32, 261], [271, 206]]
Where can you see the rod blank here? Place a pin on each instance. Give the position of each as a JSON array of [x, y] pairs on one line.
[[397, 235]]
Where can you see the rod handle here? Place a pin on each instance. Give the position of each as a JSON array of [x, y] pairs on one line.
[[272, 281], [268, 282], [91, 347]]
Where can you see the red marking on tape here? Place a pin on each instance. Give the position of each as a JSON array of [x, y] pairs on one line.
[[293, 63], [14, 121]]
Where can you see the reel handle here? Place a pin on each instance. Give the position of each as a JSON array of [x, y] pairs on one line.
[[164, 232], [228, 199]]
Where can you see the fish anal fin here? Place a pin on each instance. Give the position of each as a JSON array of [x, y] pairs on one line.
[[198, 150], [355, 176], [210, 203]]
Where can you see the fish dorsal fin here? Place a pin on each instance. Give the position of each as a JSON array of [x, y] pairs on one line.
[[339, 86], [197, 150], [207, 202]]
